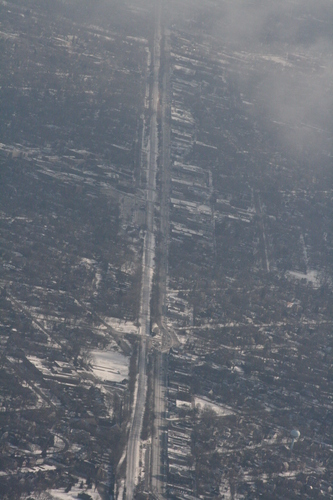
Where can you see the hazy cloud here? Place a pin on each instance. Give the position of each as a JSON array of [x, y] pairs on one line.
[[289, 44], [270, 22], [296, 37]]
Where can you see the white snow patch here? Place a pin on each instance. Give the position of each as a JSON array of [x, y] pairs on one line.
[[38, 363], [220, 410], [88, 262], [98, 278], [120, 495], [310, 277], [60, 494], [183, 404], [120, 325], [110, 366], [277, 60]]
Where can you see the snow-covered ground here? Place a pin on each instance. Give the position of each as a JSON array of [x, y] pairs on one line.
[[220, 410], [311, 277], [120, 495], [120, 325], [109, 366], [60, 494]]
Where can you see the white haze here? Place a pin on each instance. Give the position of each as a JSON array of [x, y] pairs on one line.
[[296, 36]]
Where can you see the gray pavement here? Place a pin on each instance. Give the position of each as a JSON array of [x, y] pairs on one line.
[[133, 445]]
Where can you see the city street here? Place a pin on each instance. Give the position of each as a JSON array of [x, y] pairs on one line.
[[133, 447]]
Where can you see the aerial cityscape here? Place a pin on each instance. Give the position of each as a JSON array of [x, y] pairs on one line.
[[166, 243]]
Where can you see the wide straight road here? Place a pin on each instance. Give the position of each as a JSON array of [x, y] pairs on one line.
[[159, 434], [133, 445]]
